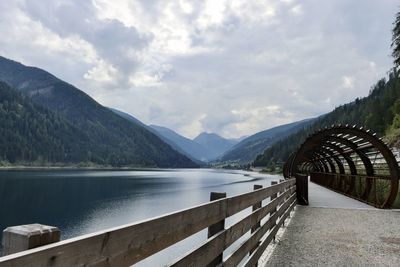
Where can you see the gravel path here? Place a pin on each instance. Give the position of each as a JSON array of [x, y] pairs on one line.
[[347, 233], [339, 237]]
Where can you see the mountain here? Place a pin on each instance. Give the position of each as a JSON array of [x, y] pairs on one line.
[[115, 141], [214, 143], [240, 139], [189, 147], [33, 134], [378, 112], [197, 152], [168, 136], [249, 148], [129, 118]]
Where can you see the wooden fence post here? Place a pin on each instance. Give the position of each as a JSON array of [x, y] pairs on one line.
[[255, 207], [302, 188], [281, 181], [272, 198], [215, 228], [24, 237]]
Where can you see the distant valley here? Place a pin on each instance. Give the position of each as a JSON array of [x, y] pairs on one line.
[[50, 122], [204, 148], [218, 151]]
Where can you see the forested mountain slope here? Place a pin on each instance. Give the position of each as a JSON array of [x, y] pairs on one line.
[[116, 141], [248, 149], [33, 134], [187, 146], [379, 112], [176, 141]]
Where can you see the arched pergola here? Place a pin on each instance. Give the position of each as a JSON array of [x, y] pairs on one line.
[[350, 160]]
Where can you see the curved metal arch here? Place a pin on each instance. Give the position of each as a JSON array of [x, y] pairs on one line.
[[332, 139], [326, 146], [338, 137], [335, 158], [366, 161], [332, 167], [345, 183], [350, 162], [319, 160]]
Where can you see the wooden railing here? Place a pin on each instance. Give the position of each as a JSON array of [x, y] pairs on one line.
[[129, 244]]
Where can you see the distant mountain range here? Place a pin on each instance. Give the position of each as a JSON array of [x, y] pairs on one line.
[[177, 142], [181, 143], [49, 121], [215, 144], [209, 147], [249, 148], [93, 133], [203, 148]]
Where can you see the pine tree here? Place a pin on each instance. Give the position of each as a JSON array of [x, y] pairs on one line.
[[396, 41]]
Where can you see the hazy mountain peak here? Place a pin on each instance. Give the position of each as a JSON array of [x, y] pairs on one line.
[[206, 136], [215, 143]]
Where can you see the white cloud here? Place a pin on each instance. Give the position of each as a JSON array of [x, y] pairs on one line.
[[348, 82], [297, 9], [233, 67], [102, 72]]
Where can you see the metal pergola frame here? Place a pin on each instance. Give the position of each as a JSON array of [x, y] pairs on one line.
[[350, 160]]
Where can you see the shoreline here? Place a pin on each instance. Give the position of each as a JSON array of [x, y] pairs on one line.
[[110, 168], [105, 168]]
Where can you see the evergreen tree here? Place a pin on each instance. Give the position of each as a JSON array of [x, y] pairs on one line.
[[396, 40]]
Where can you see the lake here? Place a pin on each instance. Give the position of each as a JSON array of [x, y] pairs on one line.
[[85, 201]]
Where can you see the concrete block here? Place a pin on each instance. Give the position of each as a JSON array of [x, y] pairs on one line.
[[24, 237]]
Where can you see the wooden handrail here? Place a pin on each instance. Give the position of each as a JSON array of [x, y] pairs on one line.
[[131, 243], [241, 252], [216, 245]]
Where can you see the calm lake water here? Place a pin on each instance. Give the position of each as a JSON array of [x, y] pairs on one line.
[[82, 202]]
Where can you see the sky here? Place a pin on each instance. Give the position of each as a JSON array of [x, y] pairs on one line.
[[229, 67]]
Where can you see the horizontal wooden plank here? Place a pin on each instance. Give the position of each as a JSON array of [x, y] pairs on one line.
[[128, 244], [255, 256], [122, 246], [240, 228], [241, 202], [246, 246], [206, 252]]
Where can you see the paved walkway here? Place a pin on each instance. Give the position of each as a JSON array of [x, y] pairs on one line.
[[324, 198], [338, 231]]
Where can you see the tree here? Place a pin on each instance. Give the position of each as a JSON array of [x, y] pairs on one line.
[[396, 41]]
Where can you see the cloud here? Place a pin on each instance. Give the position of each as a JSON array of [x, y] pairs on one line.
[[231, 67], [348, 82], [297, 9]]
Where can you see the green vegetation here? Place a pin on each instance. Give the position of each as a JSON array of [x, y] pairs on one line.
[[379, 112], [247, 150], [34, 134], [48, 121], [396, 41]]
